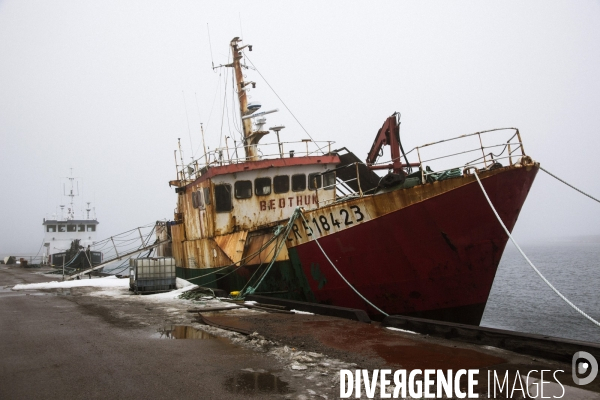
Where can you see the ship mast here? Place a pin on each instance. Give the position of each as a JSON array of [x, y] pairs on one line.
[[251, 138], [71, 211]]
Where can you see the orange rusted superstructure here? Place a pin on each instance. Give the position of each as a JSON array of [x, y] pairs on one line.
[[205, 238], [420, 242]]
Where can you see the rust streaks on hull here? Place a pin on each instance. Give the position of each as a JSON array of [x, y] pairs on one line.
[[204, 253], [233, 244], [256, 242], [177, 238]]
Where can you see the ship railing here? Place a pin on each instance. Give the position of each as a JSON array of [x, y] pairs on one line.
[[129, 243], [493, 151], [445, 156], [227, 155], [343, 190]]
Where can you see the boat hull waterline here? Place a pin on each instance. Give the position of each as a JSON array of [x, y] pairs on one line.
[[434, 258]]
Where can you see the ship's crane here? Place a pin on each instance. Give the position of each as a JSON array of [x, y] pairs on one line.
[[389, 135]]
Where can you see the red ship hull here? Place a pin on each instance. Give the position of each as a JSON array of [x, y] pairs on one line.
[[435, 257]]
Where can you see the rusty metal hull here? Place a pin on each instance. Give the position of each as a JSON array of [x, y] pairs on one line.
[[434, 256]]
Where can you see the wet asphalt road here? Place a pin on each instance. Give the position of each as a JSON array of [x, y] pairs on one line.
[[52, 347], [83, 343]]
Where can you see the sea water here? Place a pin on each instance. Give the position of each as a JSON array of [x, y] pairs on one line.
[[521, 301]]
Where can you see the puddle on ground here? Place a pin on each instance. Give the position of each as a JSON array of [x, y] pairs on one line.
[[181, 332], [8, 292], [248, 383]]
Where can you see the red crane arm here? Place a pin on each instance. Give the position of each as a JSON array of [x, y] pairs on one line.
[[389, 134]]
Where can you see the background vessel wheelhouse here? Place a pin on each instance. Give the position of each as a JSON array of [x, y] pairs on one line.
[[418, 243], [62, 232]]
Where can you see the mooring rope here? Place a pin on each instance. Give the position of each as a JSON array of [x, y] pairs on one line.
[[264, 246], [89, 262], [284, 232], [342, 276], [527, 259], [569, 185], [71, 261]]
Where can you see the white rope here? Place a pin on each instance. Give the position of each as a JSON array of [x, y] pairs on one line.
[[571, 186], [527, 259], [342, 276]]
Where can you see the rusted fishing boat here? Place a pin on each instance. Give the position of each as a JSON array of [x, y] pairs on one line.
[[307, 222]]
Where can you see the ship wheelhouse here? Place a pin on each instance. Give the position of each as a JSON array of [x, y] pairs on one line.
[[229, 206], [62, 232]]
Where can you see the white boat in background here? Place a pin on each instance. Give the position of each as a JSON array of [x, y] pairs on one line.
[[62, 232]]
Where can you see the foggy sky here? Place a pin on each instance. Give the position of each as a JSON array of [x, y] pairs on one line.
[[107, 88]]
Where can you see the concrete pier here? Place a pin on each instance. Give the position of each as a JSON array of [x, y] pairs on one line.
[[77, 343]]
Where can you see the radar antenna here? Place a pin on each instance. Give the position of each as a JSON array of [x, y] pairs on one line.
[[72, 193]]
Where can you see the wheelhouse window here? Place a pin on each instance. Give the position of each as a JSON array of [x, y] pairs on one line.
[[207, 196], [281, 184], [198, 199], [81, 228], [71, 228], [91, 228], [62, 228], [314, 181], [243, 189], [262, 186], [50, 228], [298, 182], [329, 181], [223, 198]]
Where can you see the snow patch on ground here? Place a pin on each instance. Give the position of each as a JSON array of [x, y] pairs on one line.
[[109, 282], [106, 282], [400, 330], [302, 312], [120, 292], [172, 294], [181, 283]]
